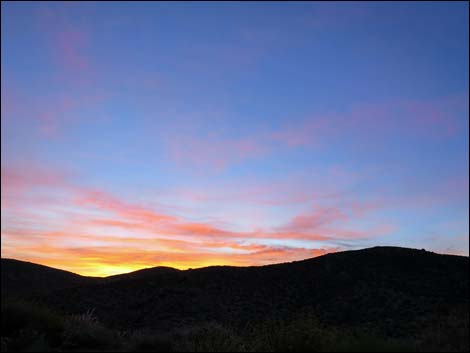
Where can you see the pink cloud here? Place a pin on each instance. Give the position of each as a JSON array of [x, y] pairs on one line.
[[363, 124], [74, 220], [21, 179], [439, 118], [318, 218], [134, 217], [71, 47], [424, 119], [69, 44], [104, 201], [77, 206]]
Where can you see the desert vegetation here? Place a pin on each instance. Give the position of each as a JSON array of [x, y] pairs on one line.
[[28, 327]]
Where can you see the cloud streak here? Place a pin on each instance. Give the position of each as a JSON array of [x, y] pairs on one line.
[[86, 223], [364, 125]]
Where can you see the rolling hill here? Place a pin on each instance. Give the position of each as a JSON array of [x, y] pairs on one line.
[[20, 278], [396, 292]]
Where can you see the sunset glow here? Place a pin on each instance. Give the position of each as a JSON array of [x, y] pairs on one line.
[[147, 134]]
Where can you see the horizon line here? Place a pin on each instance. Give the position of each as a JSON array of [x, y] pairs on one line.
[[235, 266]]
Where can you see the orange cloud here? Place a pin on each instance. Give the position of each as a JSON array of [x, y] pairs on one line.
[[106, 202], [132, 217], [105, 261], [93, 232]]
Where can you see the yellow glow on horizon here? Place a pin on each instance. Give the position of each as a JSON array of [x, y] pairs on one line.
[[109, 262], [95, 269], [104, 270]]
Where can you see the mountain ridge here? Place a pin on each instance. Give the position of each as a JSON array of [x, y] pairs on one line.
[[399, 293], [153, 268], [353, 287]]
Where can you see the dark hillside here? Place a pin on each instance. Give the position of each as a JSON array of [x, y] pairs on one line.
[[414, 297], [383, 287], [22, 278]]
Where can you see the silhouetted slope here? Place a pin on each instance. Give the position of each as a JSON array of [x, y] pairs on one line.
[[22, 278], [142, 274], [387, 288]]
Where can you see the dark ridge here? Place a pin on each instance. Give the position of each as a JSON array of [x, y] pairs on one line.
[[141, 274], [388, 288], [27, 278]]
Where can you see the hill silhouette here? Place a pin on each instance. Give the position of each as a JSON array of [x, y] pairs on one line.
[[26, 278], [396, 292]]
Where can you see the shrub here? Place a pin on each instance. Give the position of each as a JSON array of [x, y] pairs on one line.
[[448, 332], [209, 337], [85, 331], [365, 341], [144, 341], [305, 333], [302, 334], [29, 326]]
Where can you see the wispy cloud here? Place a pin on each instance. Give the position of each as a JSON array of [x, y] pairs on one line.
[[68, 42], [96, 222], [363, 125]]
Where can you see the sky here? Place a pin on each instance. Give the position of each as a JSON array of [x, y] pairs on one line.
[[140, 134]]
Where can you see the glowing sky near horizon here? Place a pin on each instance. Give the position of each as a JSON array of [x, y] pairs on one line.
[[138, 134]]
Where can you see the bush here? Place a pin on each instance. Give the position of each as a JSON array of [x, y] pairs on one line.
[[302, 334], [29, 326], [142, 341], [305, 333], [209, 337], [365, 341], [84, 331], [448, 332]]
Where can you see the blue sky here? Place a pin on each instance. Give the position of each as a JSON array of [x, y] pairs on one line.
[[278, 131]]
